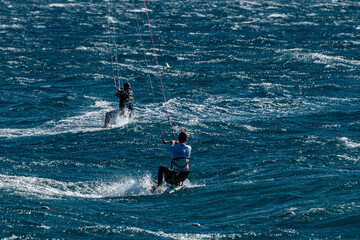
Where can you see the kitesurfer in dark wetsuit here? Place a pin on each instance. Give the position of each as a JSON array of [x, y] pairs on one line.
[[126, 104], [179, 168]]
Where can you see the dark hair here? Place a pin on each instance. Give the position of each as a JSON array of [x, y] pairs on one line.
[[183, 137], [126, 85]]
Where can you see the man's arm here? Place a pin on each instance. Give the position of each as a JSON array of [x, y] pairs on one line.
[[173, 142], [118, 91]]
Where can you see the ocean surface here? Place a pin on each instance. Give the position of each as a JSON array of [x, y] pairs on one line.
[[267, 90]]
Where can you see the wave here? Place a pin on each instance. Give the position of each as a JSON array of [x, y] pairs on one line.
[[185, 111], [48, 188], [12, 26], [88, 121], [279, 15], [44, 188], [181, 236], [321, 58], [348, 143], [349, 158], [63, 5]]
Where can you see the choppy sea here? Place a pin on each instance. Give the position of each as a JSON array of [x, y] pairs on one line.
[[268, 91]]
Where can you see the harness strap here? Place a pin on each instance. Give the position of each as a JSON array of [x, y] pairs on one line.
[[181, 167]]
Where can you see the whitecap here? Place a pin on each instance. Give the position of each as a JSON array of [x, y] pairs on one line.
[[325, 59], [349, 158], [14, 26], [111, 19], [306, 23], [82, 48], [62, 5], [142, 10], [250, 128], [278, 15], [180, 236], [321, 58], [348, 143]]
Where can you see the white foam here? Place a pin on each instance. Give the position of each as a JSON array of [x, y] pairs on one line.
[[62, 5], [12, 237], [10, 49], [251, 128], [189, 184], [142, 10], [321, 58], [42, 187], [111, 19], [348, 143], [315, 210], [349, 158], [82, 48], [45, 188], [180, 236], [88, 121], [325, 59], [305, 23], [244, 182], [13, 26], [278, 15]]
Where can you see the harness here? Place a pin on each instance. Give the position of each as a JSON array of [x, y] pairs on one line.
[[126, 99], [175, 177], [180, 168]]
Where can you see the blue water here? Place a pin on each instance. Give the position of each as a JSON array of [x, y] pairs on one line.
[[267, 90]]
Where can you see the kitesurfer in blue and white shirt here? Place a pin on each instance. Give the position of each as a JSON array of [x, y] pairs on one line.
[[126, 104], [179, 168]]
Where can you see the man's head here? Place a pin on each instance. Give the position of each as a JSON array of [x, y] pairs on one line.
[[183, 137], [126, 86]]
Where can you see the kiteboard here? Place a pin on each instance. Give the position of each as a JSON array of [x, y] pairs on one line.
[[165, 188], [174, 188]]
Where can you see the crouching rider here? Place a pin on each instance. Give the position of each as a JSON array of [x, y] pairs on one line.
[[179, 167]]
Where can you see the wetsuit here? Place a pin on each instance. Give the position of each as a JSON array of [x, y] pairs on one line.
[[126, 99], [126, 105]]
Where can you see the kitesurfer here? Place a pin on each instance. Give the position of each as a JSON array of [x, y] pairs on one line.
[[126, 104], [179, 167]]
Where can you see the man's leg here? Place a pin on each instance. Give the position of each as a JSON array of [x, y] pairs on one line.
[[161, 172], [109, 116], [107, 119], [180, 178]]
